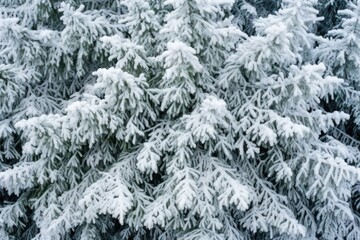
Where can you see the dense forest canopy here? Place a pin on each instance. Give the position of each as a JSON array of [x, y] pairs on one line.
[[179, 119]]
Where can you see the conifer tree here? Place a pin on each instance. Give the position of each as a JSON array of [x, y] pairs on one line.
[[275, 97], [192, 142], [340, 52], [45, 59]]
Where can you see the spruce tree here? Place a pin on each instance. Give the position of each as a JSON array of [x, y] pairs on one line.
[[339, 50], [45, 58], [301, 177]]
